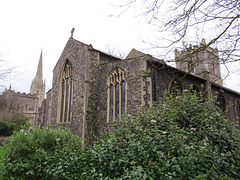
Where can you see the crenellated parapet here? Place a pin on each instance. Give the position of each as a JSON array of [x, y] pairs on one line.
[[23, 94], [194, 49], [24, 103], [198, 60]]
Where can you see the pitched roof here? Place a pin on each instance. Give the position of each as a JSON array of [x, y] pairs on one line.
[[135, 54]]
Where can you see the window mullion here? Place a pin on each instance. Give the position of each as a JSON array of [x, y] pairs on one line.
[[65, 94], [64, 100], [109, 104], [116, 93], [68, 102], [120, 100], [114, 100]]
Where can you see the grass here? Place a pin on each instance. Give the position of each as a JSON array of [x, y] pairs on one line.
[[2, 154]]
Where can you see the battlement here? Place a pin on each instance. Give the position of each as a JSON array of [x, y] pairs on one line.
[[195, 49], [198, 59], [13, 93]]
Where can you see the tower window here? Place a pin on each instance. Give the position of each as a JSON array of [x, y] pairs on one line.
[[116, 94], [66, 93], [190, 67]]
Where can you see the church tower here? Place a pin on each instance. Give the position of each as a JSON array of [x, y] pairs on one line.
[[201, 61], [38, 86]]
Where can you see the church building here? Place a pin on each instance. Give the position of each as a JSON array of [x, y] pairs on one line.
[[91, 89], [30, 104], [38, 86]]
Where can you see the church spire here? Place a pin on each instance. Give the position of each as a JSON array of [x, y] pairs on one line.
[[39, 68], [37, 86]]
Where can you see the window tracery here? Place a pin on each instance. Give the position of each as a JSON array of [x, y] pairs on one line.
[[116, 94], [66, 93]]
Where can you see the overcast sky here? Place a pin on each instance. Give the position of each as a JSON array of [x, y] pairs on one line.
[[27, 26]]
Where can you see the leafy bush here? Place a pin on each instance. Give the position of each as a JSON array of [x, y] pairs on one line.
[[177, 138], [42, 154], [2, 154], [10, 122], [6, 129]]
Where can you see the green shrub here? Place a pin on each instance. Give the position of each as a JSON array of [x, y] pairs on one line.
[[2, 154], [42, 154], [6, 129], [10, 122], [177, 138]]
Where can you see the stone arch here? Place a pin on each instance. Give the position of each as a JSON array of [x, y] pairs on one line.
[[117, 94], [221, 102], [175, 87], [194, 89], [65, 93]]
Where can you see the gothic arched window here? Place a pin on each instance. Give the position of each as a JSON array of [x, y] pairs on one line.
[[116, 94], [221, 102], [175, 87], [194, 90], [237, 108], [66, 93]]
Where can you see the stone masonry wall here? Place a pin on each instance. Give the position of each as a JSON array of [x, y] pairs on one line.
[[26, 104], [98, 99], [167, 74], [77, 54], [90, 73]]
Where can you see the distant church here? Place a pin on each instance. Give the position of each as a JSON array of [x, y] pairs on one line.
[[28, 104], [91, 89], [38, 86]]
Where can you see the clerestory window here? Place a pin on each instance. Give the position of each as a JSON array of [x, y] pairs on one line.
[[194, 90], [66, 93], [116, 94], [175, 87], [221, 102]]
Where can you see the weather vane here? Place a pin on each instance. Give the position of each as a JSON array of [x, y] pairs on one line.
[[73, 29]]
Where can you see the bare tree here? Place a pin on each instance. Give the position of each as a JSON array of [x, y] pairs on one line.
[[3, 103], [8, 103], [114, 51], [188, 21], [5, 69]]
